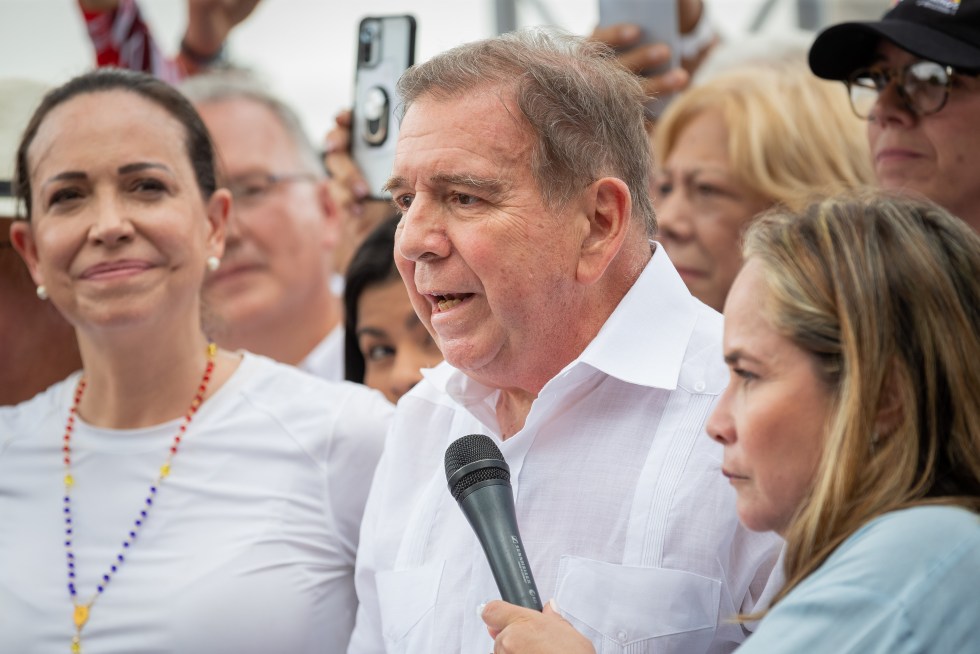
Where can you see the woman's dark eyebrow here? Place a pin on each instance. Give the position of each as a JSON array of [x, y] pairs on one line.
[[142, 165], [371, 331], [65, 176]]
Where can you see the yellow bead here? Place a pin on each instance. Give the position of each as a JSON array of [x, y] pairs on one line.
[[76, 647], [212, 349], [80, 615], [69, 481], [164, 470]]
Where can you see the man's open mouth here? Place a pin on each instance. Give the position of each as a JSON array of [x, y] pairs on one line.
[[449, 300]]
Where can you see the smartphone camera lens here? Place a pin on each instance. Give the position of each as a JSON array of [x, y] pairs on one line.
[[368, 42]]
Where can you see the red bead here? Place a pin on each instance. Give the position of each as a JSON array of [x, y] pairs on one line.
[[173, 450], [67, 460], [177, 439]]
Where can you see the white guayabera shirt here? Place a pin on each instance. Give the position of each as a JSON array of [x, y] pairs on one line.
[[625, 516]]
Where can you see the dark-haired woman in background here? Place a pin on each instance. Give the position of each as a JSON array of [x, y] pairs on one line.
[[170, 496], [386, 344]]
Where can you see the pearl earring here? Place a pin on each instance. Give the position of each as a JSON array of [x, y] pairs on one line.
[[42, 292], [213, 263]]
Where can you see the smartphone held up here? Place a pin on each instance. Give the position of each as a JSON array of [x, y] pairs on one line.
[[385, 48], [659, 23]]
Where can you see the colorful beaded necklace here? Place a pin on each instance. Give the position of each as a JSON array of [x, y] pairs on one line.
[[80, 611]]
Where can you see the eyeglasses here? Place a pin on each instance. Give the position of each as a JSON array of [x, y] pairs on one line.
[[923, 86], [249, 190]]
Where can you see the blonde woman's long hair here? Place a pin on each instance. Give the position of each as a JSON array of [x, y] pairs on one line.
[[884, 293], [791, 136]]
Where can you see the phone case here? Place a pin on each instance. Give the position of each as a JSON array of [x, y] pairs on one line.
[[385, 48], [660, 24]]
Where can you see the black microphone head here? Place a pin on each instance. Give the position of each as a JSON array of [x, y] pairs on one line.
[[473, 459]]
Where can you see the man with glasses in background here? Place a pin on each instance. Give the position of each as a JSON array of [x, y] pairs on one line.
[[272, 292], [914, 76]]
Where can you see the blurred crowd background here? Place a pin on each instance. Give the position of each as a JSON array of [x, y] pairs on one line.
[[305, 48]]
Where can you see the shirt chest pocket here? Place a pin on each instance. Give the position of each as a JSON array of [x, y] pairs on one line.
[[406, 600], [635, 610]]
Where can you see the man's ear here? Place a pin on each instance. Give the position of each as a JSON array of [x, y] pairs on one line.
[[608, 208], [22, 238], [218, 210], [331, 215]]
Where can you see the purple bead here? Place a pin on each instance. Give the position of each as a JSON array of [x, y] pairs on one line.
[[67, 499], [67, 510], [153, 489], [105, 578], [68, 543], [71, 587], [71, 575], [71, 566], [99, 588], [120, 557], [70, 555], [112, 567], [139, 522], [125, 543], [67, 521]]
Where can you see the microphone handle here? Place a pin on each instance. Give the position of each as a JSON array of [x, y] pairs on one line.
[[489, 508]]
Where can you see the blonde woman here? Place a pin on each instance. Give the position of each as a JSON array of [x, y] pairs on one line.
[[752, 138], [851, 427]]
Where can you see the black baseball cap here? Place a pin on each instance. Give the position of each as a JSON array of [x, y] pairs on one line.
[[944, 31]]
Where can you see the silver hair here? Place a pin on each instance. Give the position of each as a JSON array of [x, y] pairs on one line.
[[227, 85], [584, 109]]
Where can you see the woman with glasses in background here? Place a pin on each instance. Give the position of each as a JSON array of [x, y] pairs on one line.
[[914, 76]]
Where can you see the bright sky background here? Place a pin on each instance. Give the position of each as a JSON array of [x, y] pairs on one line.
[[305, 48]]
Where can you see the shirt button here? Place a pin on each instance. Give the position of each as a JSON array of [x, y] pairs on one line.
[[622, 637], [699, 387]]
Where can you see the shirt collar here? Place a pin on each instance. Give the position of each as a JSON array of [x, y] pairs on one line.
[[646, 337]]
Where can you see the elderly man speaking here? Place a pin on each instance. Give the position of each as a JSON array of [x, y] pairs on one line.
[[522, 171]]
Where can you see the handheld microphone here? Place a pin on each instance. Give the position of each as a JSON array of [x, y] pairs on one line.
[[479, 479]]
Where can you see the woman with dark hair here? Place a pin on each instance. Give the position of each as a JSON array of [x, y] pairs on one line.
[[170, 496], [385, 344]]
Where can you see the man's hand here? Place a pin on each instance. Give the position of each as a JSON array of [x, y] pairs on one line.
[[516, 630], [210, 21], [98, 5], [640, 58], [359, 213]]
